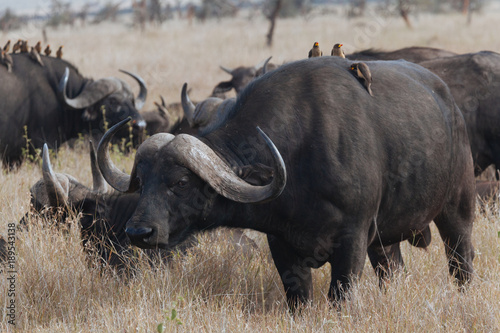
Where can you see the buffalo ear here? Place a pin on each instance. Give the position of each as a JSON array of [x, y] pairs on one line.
[[89, 114], [256, 174], [223, 87]]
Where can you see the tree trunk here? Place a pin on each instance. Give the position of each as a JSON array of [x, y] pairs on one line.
[[404, 10], [272, 18]]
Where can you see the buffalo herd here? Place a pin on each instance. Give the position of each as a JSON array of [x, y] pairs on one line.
[[303, 153]]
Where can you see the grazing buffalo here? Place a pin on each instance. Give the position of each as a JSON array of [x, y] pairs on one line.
[[55, 103], [103, 214], [474, 81], [241, 77], [414, 54], [345, 173]]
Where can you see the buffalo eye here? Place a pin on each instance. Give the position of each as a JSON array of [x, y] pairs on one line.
[[181, 183]]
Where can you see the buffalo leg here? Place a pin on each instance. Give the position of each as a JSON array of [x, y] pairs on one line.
[[455, 228], [385, 261], [347, 264], [295, 275]]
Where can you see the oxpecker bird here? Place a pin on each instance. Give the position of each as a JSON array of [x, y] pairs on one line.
[[38, 47], [315, 51], [36, 56], [362, 72], [47, 50], [337, 51], [17, 46], [24, 46], [6, 48], [6, 60], [59, 52]]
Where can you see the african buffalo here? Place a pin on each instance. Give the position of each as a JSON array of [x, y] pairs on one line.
[[345, 173], [197, 119], [103, 215], [414, 54], [35, 105], [241, 77], [474, 82]]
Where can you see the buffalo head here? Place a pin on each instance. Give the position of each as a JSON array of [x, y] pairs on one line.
[[208, 114], [110, 95], [62, 190], [241, 77], [181, 176]]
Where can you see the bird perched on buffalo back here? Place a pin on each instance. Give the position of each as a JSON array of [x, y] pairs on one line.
[[362, 72], [24, 46], [17, 46], [6, 60], [38, 47], [315, 51], [36, 56], [337, 50], [47, 50], [6, 48], [59, 52]]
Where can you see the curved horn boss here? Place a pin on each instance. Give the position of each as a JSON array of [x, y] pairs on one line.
[[201, 160]]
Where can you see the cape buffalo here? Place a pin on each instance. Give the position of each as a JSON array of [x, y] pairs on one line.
[[345, 173], [414, 54], [103, 214], [35, 105], [241, 77], [474, 81]]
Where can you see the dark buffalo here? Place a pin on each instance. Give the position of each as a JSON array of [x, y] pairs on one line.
[[362, 173], [414, 54], [35, 102], [206, 115], [474, 81], [241, 77], [103, 215], [196, 119]]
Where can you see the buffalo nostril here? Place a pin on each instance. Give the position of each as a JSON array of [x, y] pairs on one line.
[[139, 233]]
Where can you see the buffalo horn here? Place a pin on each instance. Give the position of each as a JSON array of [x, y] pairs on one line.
[[264, 67], [140, 100], [99, 184], [204, 162], [119, 180], [227, 70], [187, 106], [91, 94], [55, 192]]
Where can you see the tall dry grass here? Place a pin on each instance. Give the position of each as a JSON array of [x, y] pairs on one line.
[[215, 287]]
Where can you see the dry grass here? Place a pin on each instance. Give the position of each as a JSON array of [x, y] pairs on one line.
[[215, 288]]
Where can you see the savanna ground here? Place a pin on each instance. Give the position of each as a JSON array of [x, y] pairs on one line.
[[215, 287]]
